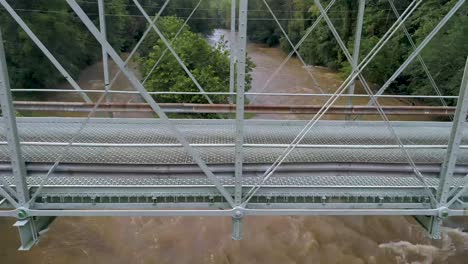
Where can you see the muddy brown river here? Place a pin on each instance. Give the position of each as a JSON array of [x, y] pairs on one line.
[[272, 240]]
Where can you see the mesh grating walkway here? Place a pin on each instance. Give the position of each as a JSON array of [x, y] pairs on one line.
[[123, 141]]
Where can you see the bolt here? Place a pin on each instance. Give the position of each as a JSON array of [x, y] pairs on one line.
[[22, 214], [238, 213], [443, 212]]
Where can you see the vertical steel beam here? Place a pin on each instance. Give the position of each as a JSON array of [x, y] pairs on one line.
[[105, 57], [11, 130], [240, 100], [232, 44], [357, 46], [453, 150]]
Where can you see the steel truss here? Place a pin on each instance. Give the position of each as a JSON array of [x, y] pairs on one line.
[[234, 172]]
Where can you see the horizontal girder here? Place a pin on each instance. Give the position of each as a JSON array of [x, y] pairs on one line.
[[231, 108]]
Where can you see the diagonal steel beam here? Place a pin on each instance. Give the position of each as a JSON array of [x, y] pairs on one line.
[[299, 56], [368, 90], [12, 193], [139, 87], [33, 36], [83, 124], [8, 197], [44, 49], [421, 46], [459, 193], [168, 45], [269, 172]]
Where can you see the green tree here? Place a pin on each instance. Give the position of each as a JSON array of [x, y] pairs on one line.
[[445, 56], [209, 65], [54, 24], [62, 33]]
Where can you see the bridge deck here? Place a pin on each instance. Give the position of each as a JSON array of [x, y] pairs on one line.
[[124, 141], [141, 158]]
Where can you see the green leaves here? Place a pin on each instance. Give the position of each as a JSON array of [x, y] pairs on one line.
[[209, 65], [64, 36]]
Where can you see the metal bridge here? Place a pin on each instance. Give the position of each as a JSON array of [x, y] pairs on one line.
[[99, 166]]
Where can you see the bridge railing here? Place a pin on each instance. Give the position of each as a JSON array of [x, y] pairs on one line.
[[246, 163]]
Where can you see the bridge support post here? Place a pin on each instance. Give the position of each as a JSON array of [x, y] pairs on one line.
[[29, 228], [237, 225], [240, 100], [357, 46], [453, 149]]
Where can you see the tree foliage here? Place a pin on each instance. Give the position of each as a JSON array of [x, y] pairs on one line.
[[69, 41], [209, 65], [55, 24], [28, 67], [445, 56]]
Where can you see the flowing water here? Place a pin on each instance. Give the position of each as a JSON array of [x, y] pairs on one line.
[[267, 239]]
